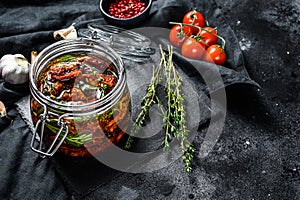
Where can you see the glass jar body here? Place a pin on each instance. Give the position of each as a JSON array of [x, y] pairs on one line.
[[78, 129]]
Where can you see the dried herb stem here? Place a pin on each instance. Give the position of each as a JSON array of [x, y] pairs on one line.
[[76, 140], [175, 117], [147, 101]]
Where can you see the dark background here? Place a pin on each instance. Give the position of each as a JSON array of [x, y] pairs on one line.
[[257, 155]]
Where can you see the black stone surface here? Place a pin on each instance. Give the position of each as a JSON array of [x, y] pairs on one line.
[[266, 167], [256, 157]]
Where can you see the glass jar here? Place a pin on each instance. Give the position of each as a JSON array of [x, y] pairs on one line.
[[83, 118]]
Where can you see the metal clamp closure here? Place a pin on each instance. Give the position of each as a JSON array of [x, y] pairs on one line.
[[53, 148]]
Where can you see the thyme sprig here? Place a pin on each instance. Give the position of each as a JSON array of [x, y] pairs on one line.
[[174, 118], [76, 140], [147, 101], [174, 114]]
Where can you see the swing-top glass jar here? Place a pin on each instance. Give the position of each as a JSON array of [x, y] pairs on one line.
[[80, 102]]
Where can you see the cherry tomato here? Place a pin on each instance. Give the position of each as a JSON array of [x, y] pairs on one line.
[[196, 18], [215, 54], [178, 34], [208, 37], [192, 48]]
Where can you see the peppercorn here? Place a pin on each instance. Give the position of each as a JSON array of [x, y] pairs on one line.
[[126, 8]]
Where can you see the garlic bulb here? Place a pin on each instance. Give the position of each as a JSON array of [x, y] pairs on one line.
[[14, 68]]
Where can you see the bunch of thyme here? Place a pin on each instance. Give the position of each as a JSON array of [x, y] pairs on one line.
[[174, 115]]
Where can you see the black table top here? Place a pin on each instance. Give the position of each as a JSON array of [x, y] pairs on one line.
[[255, 157]]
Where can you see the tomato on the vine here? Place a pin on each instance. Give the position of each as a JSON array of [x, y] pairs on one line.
[[215, 54], [192, 48], [178, 34], [195, 18], [208, 35]]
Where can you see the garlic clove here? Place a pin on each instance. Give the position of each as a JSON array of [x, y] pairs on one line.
[[66, 33], [14, 69], [2, 110], [33, 56], [21, 60]]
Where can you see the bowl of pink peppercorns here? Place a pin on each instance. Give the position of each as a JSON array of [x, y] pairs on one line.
[[125, 13]]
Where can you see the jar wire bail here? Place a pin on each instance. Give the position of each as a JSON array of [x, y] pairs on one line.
[[49, 152]]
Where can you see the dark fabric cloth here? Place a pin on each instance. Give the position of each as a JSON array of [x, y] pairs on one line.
[[23, 174], [28, 25]]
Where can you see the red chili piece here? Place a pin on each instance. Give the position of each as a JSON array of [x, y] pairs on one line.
[[126, 8]]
